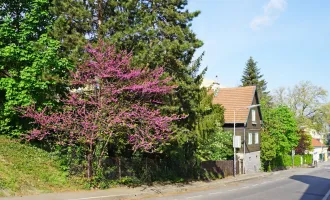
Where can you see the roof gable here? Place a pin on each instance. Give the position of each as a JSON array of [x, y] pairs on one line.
[[235, 98], [317, 143]]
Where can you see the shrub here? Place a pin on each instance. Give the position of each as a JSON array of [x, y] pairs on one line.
[[308, 159], [297, 160]]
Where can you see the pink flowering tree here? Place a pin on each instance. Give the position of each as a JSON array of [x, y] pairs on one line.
[[107, 97]]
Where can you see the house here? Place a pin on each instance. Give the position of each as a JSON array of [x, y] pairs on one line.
[[214, 85], [320, 150], [248, 123], [316, 135]]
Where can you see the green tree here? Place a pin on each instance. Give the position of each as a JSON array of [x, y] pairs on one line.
[[268, 149], [308, 102], [282, 126], [279, 135], [213, 142], [158, 33], [30, 70], [252, 77]]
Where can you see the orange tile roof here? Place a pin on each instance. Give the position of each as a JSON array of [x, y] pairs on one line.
[[235, 98], [317, 143]]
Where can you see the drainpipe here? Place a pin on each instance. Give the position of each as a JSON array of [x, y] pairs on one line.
[[244, 150]]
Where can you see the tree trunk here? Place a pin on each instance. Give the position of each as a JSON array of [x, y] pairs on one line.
[[99, 18], [90, 163], [119, 168]]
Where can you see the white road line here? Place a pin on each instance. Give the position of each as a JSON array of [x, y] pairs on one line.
[[97, 197], [244, 187], [101, 197], [232, 190], [326, 196], [214, 193], [255, 185], [194, 197]]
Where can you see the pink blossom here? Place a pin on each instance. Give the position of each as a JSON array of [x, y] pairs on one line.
[[113, 96]]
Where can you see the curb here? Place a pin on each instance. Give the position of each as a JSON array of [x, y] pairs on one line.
[[186, 189]]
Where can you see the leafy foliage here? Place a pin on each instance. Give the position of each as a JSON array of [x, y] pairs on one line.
[[281, 124], [30, 70], [307, 101], [268, 149], [279, 136], [108, 99], [308, 159], [157, 32], [216, 147], [213, 143], [305, 143]]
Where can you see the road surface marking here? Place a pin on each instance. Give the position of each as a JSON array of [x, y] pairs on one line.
[[232, 190], [101, 197], [255, 185], [97, 197], [214, 193], [194, 197], [245, 187], [326, 196]]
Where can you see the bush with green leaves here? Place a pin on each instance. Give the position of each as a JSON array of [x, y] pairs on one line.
[[216, 147], [308, 159], [297, 160]]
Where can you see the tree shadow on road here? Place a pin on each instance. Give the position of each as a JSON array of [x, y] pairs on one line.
[[317, 186]]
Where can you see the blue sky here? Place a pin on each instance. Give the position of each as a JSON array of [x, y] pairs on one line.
[[288, 38]]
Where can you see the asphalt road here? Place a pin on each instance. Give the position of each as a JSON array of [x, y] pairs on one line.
[[299, 184]]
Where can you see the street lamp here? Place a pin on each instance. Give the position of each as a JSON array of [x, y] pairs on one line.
[[248, 107]]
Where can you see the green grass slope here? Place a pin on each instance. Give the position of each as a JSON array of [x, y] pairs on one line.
[[26, 170]]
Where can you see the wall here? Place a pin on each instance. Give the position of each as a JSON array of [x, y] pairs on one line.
[[253, 128], [248, 147], [320, 150], [252, 162]]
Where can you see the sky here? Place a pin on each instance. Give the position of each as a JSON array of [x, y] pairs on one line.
[[290, 40]]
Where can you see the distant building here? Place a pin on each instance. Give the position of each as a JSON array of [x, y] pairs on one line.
[[320, 150], [211, 83]]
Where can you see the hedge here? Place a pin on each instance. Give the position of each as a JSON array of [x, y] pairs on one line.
[[308, 159], [297, 160]]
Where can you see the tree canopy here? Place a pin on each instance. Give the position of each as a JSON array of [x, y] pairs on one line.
[[108, 99], [253, 77], [30, 69], [307, 101]]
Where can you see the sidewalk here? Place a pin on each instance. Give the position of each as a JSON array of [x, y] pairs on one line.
[[125, 192], [148, 191]]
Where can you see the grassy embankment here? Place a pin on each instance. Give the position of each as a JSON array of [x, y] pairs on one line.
[[26, 170]]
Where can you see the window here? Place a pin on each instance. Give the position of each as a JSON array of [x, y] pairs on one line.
[[256, 138], [253, 112], [250, 138]]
